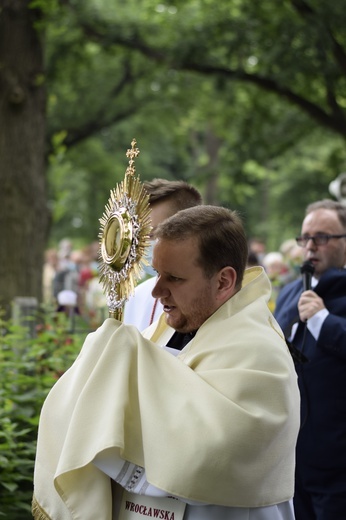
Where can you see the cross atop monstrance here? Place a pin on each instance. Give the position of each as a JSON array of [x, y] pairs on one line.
[[131, 154]]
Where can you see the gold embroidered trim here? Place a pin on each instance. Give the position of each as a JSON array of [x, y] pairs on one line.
[[37, 512]]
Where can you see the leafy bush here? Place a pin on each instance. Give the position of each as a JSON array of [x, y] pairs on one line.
[[29, 369]]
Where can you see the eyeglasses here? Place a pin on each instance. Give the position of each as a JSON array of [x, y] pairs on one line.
[[318, 240]]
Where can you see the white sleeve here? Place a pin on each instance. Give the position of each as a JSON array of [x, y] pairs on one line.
[[315, 323]]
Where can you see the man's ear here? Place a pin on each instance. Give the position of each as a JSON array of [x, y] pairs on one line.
[[227, 280]]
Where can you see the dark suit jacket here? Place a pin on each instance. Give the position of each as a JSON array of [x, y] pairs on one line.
[[322, 380]]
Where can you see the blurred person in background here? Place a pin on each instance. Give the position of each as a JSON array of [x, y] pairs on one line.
[[165, 199], [278, 273], [258, 247], [50, 267], [294, 256]]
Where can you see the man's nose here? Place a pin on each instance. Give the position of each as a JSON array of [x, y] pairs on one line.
[[159, 290]]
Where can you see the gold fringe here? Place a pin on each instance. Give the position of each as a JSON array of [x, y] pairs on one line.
[[37, 512]]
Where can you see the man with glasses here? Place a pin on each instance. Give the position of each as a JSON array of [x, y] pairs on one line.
[[314, 321]]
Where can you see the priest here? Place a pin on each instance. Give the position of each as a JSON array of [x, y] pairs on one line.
[[197, 417]]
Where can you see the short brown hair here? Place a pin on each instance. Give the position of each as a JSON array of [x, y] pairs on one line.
[[220, 234], [181, 194], [339, 208]]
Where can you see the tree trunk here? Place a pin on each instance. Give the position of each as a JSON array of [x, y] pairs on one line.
[[24, 215]]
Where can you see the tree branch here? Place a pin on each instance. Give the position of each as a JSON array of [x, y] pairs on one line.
[[337, 124], [101, 118], [306, 12], [75, 136], [335, 121]]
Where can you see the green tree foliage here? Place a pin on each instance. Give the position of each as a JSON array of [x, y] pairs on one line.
[[221, 86], [29, 369], [295, 49]]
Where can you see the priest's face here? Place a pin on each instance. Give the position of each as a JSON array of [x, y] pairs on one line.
[[187, 295]]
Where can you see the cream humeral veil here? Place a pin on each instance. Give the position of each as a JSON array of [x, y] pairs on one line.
[[217, 424]]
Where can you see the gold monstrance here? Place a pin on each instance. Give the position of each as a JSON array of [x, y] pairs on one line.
[[124, 237]]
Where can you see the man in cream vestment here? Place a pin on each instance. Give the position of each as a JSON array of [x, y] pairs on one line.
[[214, 426]]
